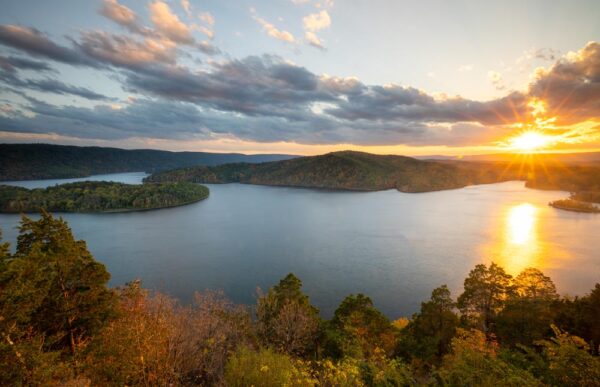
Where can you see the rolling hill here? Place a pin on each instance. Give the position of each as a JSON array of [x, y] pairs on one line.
[[345, 170], [45, 161]]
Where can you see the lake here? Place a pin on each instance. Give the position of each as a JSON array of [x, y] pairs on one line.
[[391, 246]]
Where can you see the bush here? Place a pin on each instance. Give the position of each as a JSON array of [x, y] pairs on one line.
[[265, 368]]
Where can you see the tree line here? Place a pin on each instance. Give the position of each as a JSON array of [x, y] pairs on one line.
[[61, 325], [99, 196]]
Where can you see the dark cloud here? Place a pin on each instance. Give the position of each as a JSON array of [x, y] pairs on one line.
[[571, 88], [35, 43], [265, 98], [12, 64]]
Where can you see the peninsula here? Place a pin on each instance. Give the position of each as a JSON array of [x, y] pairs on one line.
[[93, 196]]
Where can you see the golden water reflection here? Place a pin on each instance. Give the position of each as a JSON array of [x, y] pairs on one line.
[[521, 224], [520, 242]]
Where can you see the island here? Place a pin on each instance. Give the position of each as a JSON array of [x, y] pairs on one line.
[[99, 196], [575, 205]]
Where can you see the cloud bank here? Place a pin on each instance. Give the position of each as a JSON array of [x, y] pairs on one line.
[[260, 98]]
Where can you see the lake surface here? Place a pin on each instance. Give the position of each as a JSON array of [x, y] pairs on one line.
[[391, 246]]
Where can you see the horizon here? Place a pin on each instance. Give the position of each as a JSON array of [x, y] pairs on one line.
[[303, 77]]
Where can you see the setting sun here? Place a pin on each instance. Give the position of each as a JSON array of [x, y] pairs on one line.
[[530, 141]]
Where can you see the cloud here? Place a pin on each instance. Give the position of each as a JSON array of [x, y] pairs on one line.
[[271, 30], [185, 4], [35, 43], [313, 23], [464, 68], [571, 87], [168, 24], [122, 51], [12, 64], [207, 18], [313, 40], [496, 78], [122, 15], [49, 86], [266, 98], [316, 21]]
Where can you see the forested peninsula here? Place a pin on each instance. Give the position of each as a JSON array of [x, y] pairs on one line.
[[345, 170], [348, 170], [99, 196]]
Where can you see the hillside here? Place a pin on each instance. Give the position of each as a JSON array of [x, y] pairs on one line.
[[350, 170], [99, 196], [346, 170], [45, 161]]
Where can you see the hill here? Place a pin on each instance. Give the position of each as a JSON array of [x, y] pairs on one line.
[[45, 161], [99, 196], [350, 170], [346, 170]]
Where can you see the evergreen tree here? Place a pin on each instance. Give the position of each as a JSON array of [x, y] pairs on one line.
[[485, 293], [429, 333], [53, 286]]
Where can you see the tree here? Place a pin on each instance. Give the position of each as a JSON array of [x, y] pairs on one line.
[[528, 312], [569, 361], [286, 319], [428, 334], [580, 316], [53, 286], [358, 329], [532, 284], [474, 362], [485, 293]]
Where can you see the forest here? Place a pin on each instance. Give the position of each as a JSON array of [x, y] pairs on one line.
[[60, 324], [345, 170], [45, 161], [350, 170], [99, 196]]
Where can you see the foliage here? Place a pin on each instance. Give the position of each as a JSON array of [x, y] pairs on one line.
[[53, 299], [99, 196], [350, 170], [60, 325], [570, 363], [171, 344], [580, 316], [264, 368], [338, 170], [358, 330], [528, 312], [485, 291], [473, 362], [286, 319], [428, 334], [586, 196], [575, 205]]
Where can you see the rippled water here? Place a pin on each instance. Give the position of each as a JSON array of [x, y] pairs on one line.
[[392, 246]]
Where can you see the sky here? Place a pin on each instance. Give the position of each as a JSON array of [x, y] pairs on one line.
[[303, 76]]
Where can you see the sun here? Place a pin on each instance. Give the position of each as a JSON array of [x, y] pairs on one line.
[[530, 141]]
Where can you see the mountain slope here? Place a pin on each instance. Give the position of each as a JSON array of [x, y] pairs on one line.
[[44, 161], [339, 170]]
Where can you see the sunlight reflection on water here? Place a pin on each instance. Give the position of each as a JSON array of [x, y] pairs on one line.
[[520, 243]]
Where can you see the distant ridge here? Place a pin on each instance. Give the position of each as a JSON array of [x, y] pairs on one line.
[[46, 161], [566, 158]]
